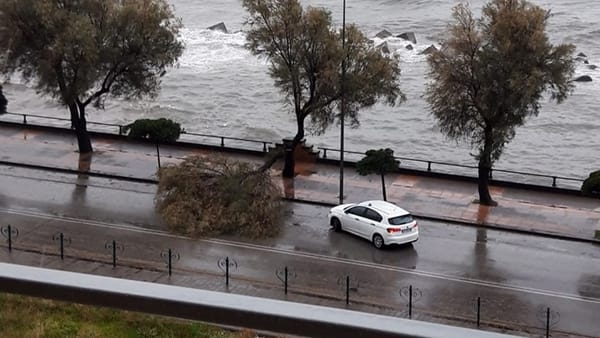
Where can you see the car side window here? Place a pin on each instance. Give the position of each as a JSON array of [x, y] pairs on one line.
[[358, 211], [373, 215]]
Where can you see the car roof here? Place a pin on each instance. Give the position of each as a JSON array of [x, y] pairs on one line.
[[385, 208]]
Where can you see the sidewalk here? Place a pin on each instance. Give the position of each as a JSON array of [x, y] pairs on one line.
[[550, 214]]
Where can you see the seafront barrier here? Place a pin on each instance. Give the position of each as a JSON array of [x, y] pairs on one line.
[[415, 166]]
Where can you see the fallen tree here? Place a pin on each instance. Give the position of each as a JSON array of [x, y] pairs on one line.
[[211, 195]]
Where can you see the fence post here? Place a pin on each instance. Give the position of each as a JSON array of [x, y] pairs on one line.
[[285, 279], [169, 262], [9, 232], [113, 245], [226, 271], [554, 182], [410, 301], [324, 153], [62, 247], [114, 252], [478, 311], [347, 290], [24, 118], [428, 165], [222, 141], [9, 238]]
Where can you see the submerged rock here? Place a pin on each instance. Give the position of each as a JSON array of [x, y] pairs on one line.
[[219, 27], [383, 34], [409, 36], [429, 50], [583, 78]]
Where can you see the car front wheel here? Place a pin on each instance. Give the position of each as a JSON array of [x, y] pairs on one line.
[[336, 224], [378, 241]]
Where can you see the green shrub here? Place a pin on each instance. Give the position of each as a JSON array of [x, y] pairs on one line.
[[158, 130], [591, 185]]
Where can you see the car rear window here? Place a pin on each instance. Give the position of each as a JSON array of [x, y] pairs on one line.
[[399, 220]]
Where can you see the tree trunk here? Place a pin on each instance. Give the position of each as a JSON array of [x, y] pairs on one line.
[[79, 124], [289, 163], [383, 187], [484, 167], [290, 149]]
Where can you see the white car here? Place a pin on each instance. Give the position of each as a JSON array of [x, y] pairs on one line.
[[381, 222]]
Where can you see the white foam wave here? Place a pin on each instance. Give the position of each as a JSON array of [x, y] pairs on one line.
[[398, 47], [207, 50]]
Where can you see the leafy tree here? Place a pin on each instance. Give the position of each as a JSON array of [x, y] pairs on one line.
[[490, 75], [216, 195], [81, 51], [378, 162], [3, 102], [306, 55], [160, 130]]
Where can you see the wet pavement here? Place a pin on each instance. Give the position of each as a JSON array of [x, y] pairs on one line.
[[447, 269], [451, 265], [545, 213]]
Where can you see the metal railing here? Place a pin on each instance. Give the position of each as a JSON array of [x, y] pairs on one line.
[[405, 162], [121, 130], [428, 165]]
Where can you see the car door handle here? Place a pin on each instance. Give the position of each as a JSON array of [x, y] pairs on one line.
[[356, 219], [373, 224]]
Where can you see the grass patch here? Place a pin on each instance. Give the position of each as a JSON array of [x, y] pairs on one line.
[[22, 316]]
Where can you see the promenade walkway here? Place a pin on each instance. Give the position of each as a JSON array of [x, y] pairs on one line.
[[544, 213]]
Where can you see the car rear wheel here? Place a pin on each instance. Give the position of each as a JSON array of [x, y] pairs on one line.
[[378, 241], [336, 224]]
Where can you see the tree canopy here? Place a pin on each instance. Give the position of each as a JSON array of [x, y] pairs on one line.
[[491, 75], [305, 54], [215, 195], [80, 51], [378, 162]]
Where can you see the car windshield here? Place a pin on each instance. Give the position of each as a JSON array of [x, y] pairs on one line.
[[399, 220]]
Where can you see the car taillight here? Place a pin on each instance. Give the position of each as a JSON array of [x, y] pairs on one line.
[[416, 225], [392, 230]]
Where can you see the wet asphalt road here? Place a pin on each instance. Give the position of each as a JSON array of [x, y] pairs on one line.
[[450, 266]]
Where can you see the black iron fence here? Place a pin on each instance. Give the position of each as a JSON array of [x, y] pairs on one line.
[[353, 292], [119, 129], [555, 181]]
